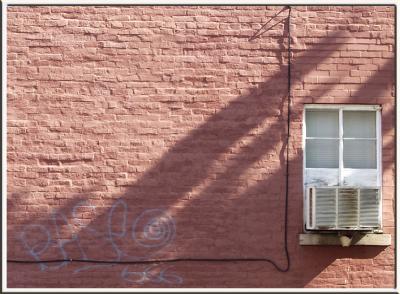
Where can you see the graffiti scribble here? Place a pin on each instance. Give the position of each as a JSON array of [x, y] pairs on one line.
[[147, 233]]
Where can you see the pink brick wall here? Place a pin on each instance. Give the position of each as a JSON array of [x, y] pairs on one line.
[[121, 116]]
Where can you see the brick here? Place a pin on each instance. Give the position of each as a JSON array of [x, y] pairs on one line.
[[178, 109]]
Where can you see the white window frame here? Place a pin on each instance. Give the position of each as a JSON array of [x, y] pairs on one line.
[[341, 108]]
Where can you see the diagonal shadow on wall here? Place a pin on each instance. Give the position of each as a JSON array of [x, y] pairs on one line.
[[250, 217], [244, 212]]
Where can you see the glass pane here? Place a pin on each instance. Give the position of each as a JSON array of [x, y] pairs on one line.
[[359, 153], [322, 123], [322, 153], [359, 124]]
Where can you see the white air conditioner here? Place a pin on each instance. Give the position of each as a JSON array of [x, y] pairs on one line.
[[343, 208]]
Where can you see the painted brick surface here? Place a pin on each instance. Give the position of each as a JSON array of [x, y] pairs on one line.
[[159, 132]]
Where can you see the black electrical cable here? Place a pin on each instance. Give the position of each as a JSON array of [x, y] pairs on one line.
[[286, 269], [288, 141]]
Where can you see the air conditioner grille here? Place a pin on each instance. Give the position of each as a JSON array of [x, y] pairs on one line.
[[344, 208], [348, 208], [325, 203], [369, 207]]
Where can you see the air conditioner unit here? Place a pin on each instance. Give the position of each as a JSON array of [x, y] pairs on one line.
[[343, 208]]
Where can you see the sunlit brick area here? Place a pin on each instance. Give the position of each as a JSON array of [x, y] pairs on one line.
[[140, 133]]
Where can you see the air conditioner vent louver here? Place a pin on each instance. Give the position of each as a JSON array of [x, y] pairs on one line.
[[325, 206], [347, 208], [343, 208], [369, 207]]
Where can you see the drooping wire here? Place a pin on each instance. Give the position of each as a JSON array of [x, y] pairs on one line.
[[285, 269], [288, 141]]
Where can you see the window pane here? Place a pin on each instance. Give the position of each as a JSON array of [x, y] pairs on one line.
[[359, 153], [359, 124], [322, 123], [322, 153]]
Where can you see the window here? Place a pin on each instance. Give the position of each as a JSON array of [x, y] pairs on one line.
[[342, 145], [342, 169]]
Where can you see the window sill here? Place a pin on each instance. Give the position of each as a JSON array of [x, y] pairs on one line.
[[334, 239]]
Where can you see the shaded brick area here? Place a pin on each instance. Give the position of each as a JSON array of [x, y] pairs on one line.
[[160, 132]]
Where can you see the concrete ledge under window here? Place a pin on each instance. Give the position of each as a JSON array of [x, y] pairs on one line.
[[334, 239]]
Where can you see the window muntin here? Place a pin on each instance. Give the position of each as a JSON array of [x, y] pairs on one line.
[[352, 161], [359, 139], [322, 143], [342, 142]]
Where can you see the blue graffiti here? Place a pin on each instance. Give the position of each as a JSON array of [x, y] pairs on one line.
[[158, 231], [150, 231], [36, 249], [151, 274]]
